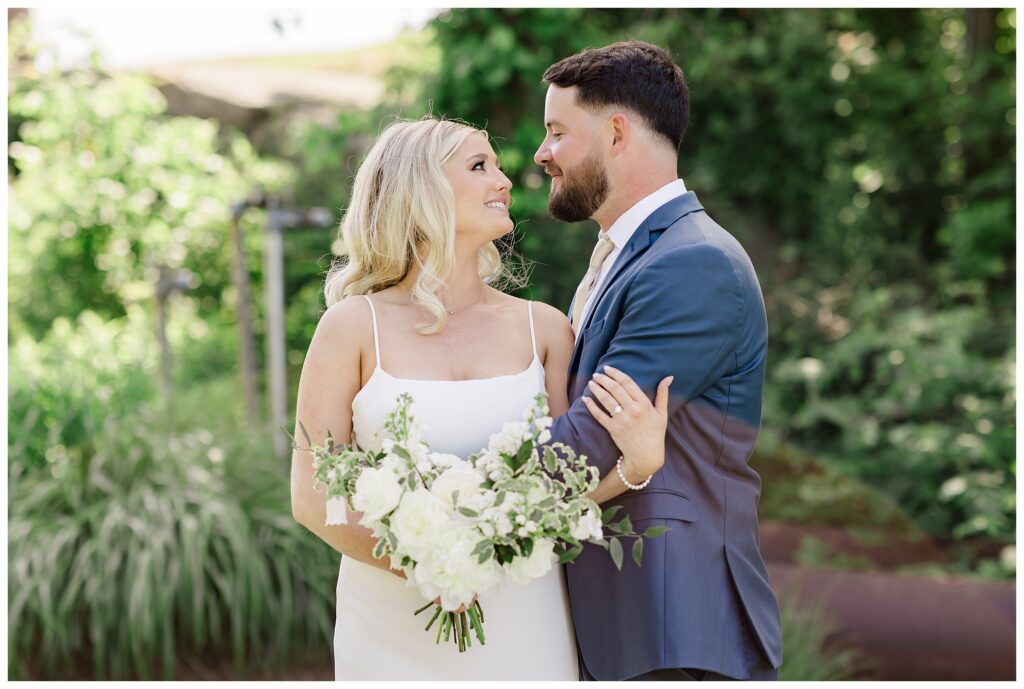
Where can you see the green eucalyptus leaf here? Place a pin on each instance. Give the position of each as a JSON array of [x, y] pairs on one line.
[[638, 551], [609, 513], [615, 550], [625, 525]]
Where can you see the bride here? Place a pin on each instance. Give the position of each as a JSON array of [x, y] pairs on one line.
[[413, 310]]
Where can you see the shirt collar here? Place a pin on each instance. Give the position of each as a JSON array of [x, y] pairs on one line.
[[627, 223]]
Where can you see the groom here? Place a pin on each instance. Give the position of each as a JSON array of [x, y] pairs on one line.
[[668, 293]]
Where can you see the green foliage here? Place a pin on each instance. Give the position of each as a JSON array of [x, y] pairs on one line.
[[815, 552], [167, 541], [808, 653], [106, 189], [63, 388], [798, 488], [914, 395]]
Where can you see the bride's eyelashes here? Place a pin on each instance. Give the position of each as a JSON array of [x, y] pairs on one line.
[[483, 166]]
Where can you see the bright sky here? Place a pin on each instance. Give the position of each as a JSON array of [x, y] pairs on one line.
[[128, 37]]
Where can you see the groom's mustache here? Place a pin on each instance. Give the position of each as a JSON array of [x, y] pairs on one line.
[[552, 170]]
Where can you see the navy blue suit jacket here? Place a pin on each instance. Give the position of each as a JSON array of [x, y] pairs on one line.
[[682, 299]]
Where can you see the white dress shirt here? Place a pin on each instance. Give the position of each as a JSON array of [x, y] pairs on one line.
[[622, 230]]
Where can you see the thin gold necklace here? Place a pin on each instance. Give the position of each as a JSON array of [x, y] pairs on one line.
[[463, 308]]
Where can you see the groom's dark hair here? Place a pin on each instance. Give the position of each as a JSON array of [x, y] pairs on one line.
[[631, 74]]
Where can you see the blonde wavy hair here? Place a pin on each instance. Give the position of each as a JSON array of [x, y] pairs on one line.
[[402, 214]]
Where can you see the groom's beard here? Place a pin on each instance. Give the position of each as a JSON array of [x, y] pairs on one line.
[[582, 192]]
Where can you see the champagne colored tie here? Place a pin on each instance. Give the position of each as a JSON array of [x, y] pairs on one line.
[[601, 251]]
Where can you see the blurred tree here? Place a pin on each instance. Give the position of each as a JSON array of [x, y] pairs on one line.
[[106, 189]]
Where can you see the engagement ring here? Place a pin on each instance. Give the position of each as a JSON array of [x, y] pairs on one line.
[[618, 408]]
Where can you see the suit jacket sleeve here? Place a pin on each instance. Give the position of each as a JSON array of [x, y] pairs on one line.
[[681, 317]]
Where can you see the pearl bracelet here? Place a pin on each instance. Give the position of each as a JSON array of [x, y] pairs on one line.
[[622, 477]]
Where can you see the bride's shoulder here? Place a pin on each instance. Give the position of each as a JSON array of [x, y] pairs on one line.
[[548, 315], [346, 322], [552, 326]]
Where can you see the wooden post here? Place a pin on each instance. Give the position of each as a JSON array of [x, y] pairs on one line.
[[276, 357], [246, 346], [279, 220], [161, 294], [166, 284]]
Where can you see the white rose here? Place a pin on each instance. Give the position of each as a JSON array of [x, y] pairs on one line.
[[377, 492], [420, 518], [525, 569], [588, 527], [451, 570], [462, 478]]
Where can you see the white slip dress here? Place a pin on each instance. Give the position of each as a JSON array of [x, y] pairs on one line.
[[528, 628]]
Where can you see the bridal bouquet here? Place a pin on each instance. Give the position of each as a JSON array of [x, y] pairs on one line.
[[459, 528]]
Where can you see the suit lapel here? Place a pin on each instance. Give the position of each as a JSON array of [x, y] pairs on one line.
[[645, 236]]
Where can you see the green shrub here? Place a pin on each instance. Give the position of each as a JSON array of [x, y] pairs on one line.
[[807, 653], [167, 541], [63, 388], [910, 393]]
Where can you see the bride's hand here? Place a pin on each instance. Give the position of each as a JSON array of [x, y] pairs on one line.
[[462, 608], [638, 428]]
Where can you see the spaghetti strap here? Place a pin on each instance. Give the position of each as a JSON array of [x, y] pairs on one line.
[[376, 340], [533, 336]]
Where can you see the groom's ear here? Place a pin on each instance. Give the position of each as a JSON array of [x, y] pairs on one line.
[[619, 129]]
